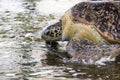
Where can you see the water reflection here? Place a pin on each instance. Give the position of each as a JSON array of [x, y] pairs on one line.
[[23, 55]]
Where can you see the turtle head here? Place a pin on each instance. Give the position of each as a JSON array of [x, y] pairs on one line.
[[52, 32]]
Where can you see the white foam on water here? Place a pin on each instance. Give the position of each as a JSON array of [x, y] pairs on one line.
[[104, 59], [100, 61], [11, 5], [42, 72], [55, 7], [10, 74]]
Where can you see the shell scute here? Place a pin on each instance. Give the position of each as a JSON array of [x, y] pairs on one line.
[[104, 15]]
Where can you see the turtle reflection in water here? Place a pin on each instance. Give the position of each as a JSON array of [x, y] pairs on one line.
[[92, 30]]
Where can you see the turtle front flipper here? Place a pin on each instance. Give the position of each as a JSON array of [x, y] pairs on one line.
[[90, 53]]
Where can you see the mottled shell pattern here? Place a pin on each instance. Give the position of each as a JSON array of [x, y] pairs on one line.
[[104, 17]]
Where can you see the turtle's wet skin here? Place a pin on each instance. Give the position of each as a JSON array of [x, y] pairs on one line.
[[94, 23]]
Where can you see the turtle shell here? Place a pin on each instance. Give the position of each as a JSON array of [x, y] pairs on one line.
[[105, 16]]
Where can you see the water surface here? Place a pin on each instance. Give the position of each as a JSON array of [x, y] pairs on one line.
[[24, 56]]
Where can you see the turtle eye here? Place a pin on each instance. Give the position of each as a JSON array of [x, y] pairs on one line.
[[47, 32]]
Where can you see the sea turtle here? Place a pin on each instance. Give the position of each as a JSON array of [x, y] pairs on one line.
[[89, 27]]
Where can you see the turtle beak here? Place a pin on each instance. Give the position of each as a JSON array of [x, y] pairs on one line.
[[42, 36], [65, 37]]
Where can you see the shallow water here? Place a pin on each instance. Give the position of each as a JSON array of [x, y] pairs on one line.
[[24, 56]]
